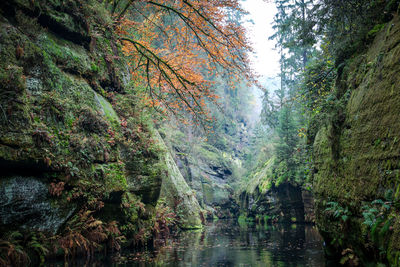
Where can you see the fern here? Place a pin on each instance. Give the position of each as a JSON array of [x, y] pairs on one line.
[[337, 211], [374, 229], [376, 218], [385, 228]]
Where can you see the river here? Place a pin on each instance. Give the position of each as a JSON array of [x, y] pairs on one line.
[[226, 243]]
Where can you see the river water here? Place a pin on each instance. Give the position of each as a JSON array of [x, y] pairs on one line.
[[226, 243]]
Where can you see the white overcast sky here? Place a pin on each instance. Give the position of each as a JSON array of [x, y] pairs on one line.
[[265, 60]]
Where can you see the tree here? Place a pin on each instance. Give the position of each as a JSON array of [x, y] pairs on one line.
[[177, 46], [273, 99], [286, 165], [283, 112]]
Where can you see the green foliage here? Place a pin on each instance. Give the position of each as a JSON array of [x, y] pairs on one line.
[[337, 211], [293, 25], [318, 84], [377, 28], [379, 219], [19, 248], [245, 221], [37, 245], [375, 211], [269, 112]]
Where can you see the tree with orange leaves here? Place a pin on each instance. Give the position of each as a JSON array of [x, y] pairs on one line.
[[178, 46]]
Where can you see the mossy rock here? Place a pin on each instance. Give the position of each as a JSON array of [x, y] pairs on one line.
[[178, 194], [356, 160], [61, 123]]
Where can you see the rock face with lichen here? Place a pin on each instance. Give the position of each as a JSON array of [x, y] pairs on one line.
[[210, 172], [179, 195], [263, 200], [72, 132], [24, 202], [356, 154], [281, 204]]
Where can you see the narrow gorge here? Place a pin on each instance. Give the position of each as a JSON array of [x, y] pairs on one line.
[[137, 132]]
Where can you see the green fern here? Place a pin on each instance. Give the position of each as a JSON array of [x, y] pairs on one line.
[[337, 211]]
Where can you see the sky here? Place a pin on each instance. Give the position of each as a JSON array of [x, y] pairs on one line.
[[265, 60]]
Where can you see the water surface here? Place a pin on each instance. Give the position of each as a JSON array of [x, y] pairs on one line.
[[226, 243]]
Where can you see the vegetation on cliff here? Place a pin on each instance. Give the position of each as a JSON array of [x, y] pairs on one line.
[[122, 120], [332, 124], [83, 84]]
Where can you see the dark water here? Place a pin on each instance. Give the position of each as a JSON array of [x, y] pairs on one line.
[[225, 243]]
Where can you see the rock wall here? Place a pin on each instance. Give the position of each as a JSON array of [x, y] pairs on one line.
[[356, 154], [209, 172], [179, 195], [25, 203], [286, 203], [262, 200], [71, 132]]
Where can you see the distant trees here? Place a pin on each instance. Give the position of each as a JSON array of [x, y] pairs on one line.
[[282, 110], [307, 93], [294, 35]]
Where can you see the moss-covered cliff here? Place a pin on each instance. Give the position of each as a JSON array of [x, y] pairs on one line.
[[263, 199], [73, 135], [209, 170], [356, 155]]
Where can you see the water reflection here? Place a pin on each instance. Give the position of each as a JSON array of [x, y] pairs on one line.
[[225, 243]]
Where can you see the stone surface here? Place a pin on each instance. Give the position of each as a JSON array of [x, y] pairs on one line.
[[284, 203], [309, 206], [208, 171], [261, 198], [25, 202], [357, 153], [63, 115], [178, 194]]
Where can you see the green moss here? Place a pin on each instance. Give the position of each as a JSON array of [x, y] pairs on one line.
[[208, 193], [260, 179], [211, 154], [114, 177], [357, 160], [94, 67], [68, 56], [106, 108], [377, 28], [132, 206], [245, 221]]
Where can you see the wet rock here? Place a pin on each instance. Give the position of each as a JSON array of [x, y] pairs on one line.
[[208, 171], [179, 196], [25, 203], [308, 202], [356, 154], [284, 203]]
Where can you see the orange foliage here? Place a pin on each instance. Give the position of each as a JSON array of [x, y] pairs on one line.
[[55, 189], [178, 47]]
